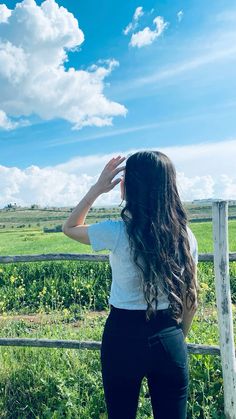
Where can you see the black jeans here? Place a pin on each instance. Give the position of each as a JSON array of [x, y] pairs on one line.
[[133, 348]]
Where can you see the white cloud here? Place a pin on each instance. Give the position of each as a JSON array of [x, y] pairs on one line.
[[134, 23], [4, 13], [34, 45], [138, 13], [180, 15], [204, 170], [7, 124], [42, 186], [147, 36]]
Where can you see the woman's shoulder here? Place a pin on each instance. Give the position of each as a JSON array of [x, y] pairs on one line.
[[114, 222], [111, 225], [193, 244]]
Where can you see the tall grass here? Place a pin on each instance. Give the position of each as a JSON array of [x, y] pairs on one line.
[[45, 286]]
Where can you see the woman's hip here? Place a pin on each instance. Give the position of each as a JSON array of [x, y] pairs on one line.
[[134, 353], [132, 323]]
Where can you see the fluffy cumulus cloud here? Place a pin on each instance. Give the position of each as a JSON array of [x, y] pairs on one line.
[[147, 36], [65, 184], [34, 45], [46, 187], [134, 23]]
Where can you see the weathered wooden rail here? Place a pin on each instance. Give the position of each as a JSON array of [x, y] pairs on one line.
[[55, 256], [202, 257], [193, 348]]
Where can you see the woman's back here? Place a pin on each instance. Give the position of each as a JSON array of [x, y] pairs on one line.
[[126, 289]]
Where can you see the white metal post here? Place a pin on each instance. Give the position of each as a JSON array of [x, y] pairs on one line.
[[224, 305]]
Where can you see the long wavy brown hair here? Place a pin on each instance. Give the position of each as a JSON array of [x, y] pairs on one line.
[[156, 224]]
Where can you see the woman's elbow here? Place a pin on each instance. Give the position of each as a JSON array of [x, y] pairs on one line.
[[64, 229]]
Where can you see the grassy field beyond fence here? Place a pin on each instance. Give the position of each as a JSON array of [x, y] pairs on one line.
[[69, 300]]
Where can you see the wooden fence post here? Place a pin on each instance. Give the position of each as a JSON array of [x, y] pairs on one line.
[[224, 305]]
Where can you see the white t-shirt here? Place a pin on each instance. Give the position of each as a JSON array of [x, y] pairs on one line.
[[126, 290]]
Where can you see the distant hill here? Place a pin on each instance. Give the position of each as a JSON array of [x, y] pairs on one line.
[[51, 218]]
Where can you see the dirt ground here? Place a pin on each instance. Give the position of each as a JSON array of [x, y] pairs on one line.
[[43, 318]]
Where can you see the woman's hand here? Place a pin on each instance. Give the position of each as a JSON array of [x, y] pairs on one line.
[[104, 182]]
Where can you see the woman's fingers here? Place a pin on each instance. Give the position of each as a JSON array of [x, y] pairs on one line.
[[120, 159], [115, 182], [118, 170], [115, 161]]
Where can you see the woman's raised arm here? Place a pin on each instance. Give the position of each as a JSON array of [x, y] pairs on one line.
[[74, 227]]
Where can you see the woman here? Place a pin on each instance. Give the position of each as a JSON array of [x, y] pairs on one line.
[[154, 290]]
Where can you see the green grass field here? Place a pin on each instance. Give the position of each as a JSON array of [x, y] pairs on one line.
[[204, 235], [36, 241], [33, 241]]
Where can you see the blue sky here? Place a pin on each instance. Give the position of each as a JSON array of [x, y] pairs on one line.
[[175, 93]]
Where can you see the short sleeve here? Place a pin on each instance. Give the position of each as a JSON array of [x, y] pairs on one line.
[[193, 245], [104, 235]]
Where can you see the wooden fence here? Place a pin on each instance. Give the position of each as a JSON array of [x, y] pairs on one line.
[[203, 257], [74, 344], [221, 259]]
